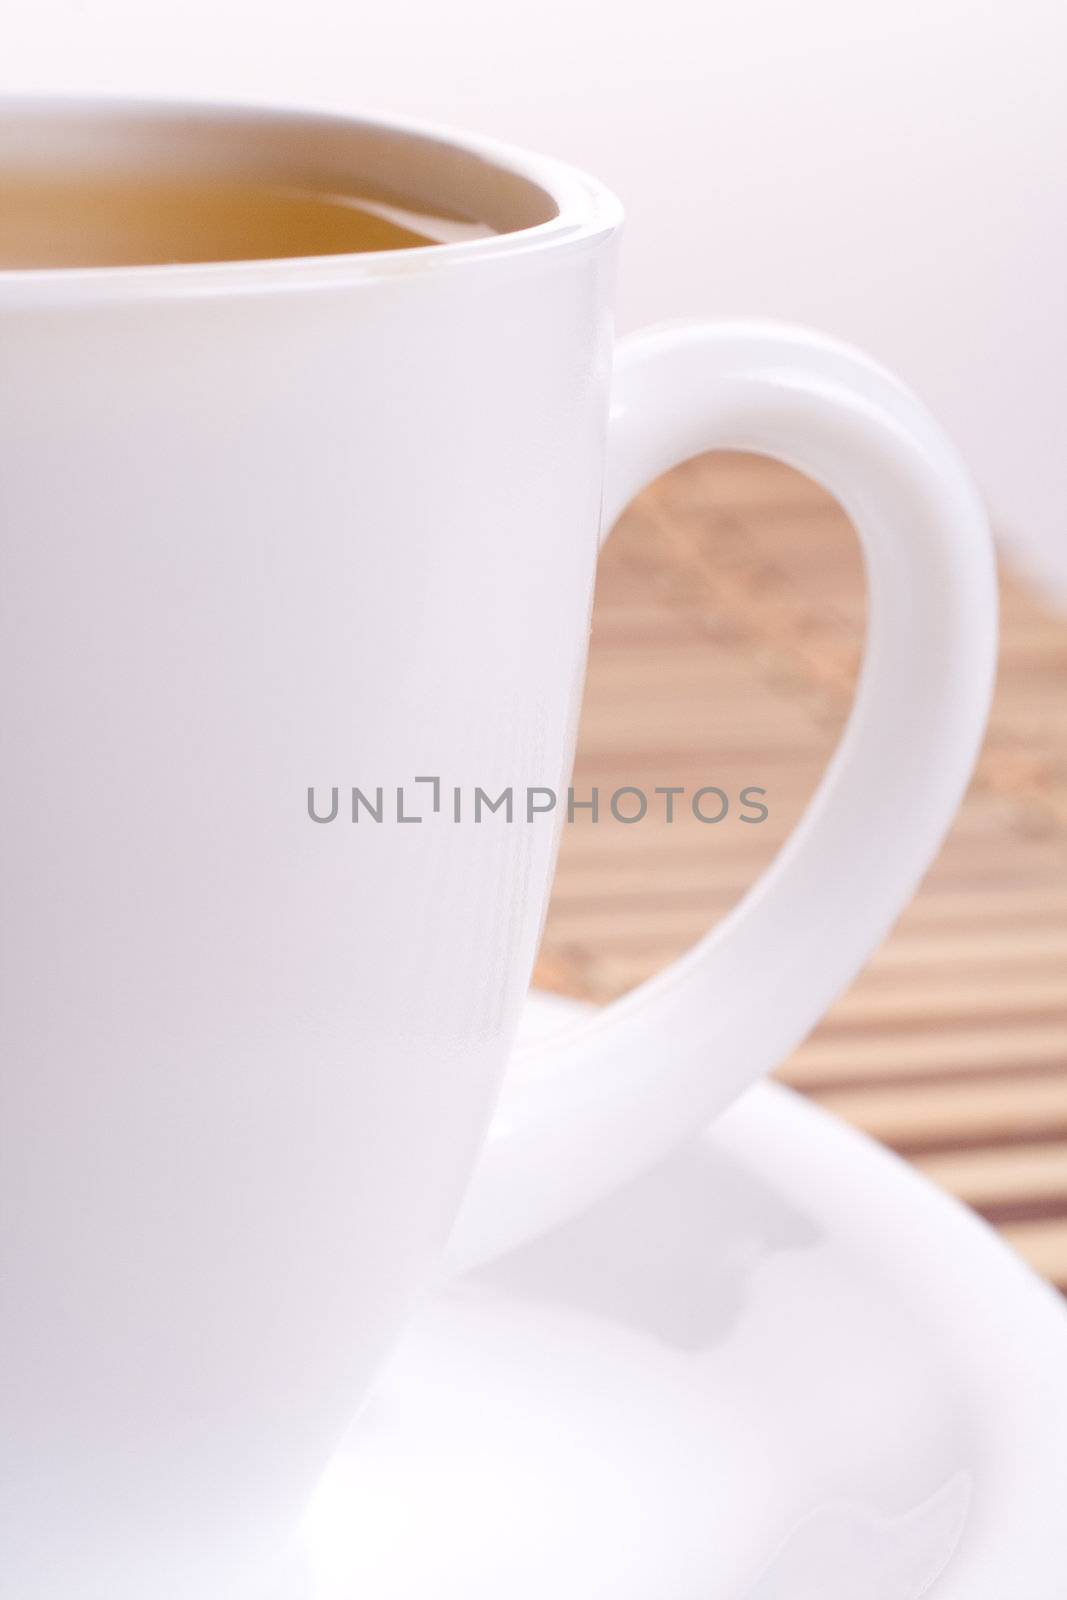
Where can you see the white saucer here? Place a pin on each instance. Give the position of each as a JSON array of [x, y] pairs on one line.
[[780, 1367]]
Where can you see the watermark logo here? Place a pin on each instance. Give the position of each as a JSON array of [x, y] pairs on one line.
[[426, 798]]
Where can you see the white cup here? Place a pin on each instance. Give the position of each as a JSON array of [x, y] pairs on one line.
[[279, 525]]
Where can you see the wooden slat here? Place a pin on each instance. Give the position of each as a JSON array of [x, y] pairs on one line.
[[828, 1059], [1044, 1245], [923, 1118], [1001, 1180]]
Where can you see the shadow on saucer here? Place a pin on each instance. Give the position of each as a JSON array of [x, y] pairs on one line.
[[672, 1255]]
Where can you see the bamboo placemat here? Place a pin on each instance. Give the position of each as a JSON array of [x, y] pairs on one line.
[[727, 632]]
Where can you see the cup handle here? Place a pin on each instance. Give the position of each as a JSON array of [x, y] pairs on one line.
[[612, 1093]]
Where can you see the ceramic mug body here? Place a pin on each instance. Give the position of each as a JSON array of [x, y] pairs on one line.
[[266, 528]]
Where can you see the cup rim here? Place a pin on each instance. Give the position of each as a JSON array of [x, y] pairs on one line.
[[586, 210]]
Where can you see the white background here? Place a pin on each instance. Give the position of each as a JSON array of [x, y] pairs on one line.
[[893, 172]]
